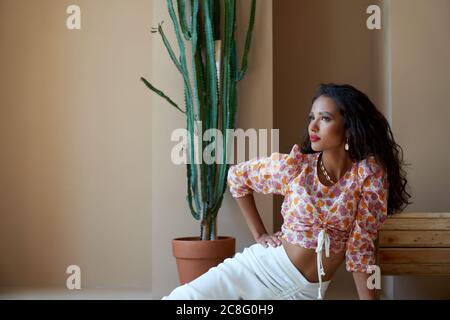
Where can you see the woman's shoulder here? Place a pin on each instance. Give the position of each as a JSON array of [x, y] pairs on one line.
[[370, 166], [292, 161], [295, 157]]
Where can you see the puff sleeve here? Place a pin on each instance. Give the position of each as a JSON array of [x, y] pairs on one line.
[[370, 215], [268, 175]]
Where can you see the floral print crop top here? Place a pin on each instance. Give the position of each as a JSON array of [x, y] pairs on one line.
[[350, 212]]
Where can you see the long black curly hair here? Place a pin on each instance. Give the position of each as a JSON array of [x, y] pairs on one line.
[[369, 134]]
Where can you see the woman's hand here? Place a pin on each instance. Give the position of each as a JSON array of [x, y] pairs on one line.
[[267, 239]]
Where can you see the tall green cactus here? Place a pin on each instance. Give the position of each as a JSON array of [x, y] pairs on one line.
[[210, 93]]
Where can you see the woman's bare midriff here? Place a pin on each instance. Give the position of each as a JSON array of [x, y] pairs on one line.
[[305, 261]]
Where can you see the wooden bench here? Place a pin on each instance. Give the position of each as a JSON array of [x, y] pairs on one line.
[[415, 244]]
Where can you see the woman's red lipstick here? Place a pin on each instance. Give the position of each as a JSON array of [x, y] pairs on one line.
[[314, 138]]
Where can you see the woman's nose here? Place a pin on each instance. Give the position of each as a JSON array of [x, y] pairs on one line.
[[313, 126]]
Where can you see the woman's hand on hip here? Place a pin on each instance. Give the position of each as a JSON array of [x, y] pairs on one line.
[[270, 239]]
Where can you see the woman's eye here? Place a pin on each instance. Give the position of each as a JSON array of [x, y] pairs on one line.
[[323, 118]]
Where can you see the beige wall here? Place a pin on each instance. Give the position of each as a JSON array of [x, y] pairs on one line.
[[76, 149], [421, 115], [80, 134], [171, 215]]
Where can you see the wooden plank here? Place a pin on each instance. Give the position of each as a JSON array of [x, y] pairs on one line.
[[421, 215], [414, 255], [416, 224], [389, 238], [415, 243], [415, 269]]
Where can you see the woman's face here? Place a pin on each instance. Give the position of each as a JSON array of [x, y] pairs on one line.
[[326, 127]]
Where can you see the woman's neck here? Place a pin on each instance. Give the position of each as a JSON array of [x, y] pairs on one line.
[[336, 163]]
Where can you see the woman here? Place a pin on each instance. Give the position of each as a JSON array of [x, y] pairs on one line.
[[338, 190]]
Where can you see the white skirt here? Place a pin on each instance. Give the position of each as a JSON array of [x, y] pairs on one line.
[[258, 273]]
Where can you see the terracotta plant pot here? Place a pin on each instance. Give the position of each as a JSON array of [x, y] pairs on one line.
[[194, 257]]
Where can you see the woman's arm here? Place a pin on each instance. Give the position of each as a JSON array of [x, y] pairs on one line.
[[371, 213], [267, 175], [364, 292], [248, 208], [251, 214]]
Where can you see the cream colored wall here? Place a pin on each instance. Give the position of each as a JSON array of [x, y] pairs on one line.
[[421, 115], [171, 215], [76, 150]]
